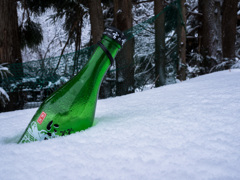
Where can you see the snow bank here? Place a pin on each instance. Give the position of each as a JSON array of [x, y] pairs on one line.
[[188, 130]]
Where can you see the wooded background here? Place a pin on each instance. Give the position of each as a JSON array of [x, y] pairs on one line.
[[207, 39]]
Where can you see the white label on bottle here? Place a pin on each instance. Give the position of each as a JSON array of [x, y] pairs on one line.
[[34, 134]]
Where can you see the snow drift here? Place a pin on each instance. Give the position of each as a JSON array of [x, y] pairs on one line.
[[188, 130]]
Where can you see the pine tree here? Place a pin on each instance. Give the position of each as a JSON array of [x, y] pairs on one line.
[[124, 61], [9, 38], [10, 51], [210, 33], [30, 31], [229, 23], [97, 27], [181, 33], [96, 19], [160, 59]]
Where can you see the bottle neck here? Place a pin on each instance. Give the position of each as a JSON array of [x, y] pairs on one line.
[[110, 45], [101, 58]]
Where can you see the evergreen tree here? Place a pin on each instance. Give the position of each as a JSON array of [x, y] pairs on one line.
[[30, 31], [210, 33], [96, 19], [10, 51], [9, 38], [229, 25], [160, 59], [123, 20], [181, 33]]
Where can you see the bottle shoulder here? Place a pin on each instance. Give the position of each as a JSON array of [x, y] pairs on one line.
[[107, 41]]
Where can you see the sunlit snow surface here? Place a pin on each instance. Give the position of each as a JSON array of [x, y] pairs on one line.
[[189, 130]]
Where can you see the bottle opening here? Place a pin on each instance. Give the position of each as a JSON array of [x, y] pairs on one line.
[[115, 34]]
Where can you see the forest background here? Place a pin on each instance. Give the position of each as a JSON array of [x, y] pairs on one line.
[[44, 43]]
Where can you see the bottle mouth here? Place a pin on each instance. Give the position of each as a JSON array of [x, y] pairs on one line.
[[115, 34]]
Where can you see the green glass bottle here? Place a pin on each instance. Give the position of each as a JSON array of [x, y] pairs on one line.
[[72, 107]]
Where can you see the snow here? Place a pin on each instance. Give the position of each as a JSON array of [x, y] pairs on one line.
[[188, 130], [237, 64], [4, 94]]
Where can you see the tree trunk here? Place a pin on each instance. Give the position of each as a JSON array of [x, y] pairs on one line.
[[210, 33], [229, 23], [97, 28], [10, 51], [160, 59], [182, 42], [96, 19], [9, 39], [124, 61]]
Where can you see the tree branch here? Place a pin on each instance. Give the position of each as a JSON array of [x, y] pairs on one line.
[[146, 1], [193, 29], [70, 34]]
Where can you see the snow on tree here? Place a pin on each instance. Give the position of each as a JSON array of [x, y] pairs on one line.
[[4, 98]]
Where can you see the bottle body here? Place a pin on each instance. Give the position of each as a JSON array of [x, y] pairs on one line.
[[72, 108]]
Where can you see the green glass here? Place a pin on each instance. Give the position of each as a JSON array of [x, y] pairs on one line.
[[72, 107]]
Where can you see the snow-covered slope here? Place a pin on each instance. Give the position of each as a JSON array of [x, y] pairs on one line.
[[189, 130]]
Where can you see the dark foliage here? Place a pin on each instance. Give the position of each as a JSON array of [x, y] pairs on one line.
[[30, 34]]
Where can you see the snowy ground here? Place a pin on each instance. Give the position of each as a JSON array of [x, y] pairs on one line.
[[189, 130]]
